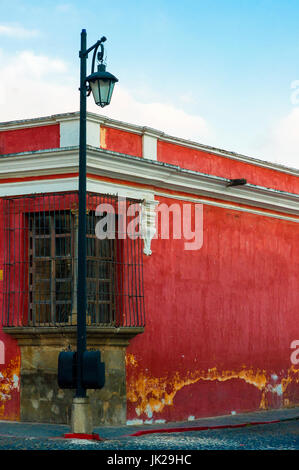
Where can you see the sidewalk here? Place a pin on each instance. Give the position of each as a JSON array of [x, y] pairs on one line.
[[13, 431]]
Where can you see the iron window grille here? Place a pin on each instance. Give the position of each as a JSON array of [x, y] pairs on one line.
[[39, 261]]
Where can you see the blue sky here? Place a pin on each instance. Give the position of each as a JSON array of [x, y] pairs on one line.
[[220, 73]]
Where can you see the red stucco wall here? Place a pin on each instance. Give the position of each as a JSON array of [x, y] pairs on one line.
[[209, 163], [121, 141], [220, 321], [29, 139], [10, 359]]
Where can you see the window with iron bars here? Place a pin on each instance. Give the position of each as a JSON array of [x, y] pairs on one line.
[[52, 269], [39, 249]]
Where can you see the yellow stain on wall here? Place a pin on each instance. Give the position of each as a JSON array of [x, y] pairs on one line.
[[293, 376], [280, 388], [130, 360], [103, 143], [9, 382], [153, 394]]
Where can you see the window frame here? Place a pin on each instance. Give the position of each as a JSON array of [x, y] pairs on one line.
[[93, 310]]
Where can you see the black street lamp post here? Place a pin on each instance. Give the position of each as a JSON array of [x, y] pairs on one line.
[[83, 369], [101, 83]]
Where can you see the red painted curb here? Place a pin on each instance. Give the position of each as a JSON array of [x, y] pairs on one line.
[[201, 428], [93, 436]]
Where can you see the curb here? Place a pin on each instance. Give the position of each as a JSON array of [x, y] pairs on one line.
[[206, 428]]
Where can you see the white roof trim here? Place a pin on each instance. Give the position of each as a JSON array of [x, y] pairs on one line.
[[145, 172], [141, 130]]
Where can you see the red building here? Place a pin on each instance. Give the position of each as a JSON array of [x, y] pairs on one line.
[[194, 317]]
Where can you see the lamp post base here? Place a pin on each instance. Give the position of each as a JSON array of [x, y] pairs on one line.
[[81, 420]]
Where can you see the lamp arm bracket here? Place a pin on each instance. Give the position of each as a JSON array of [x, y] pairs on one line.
[[95, 46], [99, 56]]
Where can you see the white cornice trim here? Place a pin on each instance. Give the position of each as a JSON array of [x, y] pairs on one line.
[[104, 187], [38, 186], [174, 178], [41, 162], [145, 172], [15, 125], [71, 184]]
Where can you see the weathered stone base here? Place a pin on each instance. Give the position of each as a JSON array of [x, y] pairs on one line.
[[41, 399], [81, 422]]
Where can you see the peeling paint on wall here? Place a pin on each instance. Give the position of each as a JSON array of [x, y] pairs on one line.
[[130, 360], [280, 389], [293, 376], [152, 394], [9, 384]]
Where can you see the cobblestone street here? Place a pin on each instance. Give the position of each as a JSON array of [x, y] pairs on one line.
[[283, 435]]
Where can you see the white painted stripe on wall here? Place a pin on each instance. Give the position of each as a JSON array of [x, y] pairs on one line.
[[103, 187], [93, 134], [69, 133], [227, 206], [149, 147]]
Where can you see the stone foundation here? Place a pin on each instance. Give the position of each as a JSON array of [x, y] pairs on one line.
[[41, 399]]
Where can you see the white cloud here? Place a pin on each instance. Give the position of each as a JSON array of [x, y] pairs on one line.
[[162, 116], [32, 85], [283, 141], [17, 32], [34, 66], [64, 7]]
